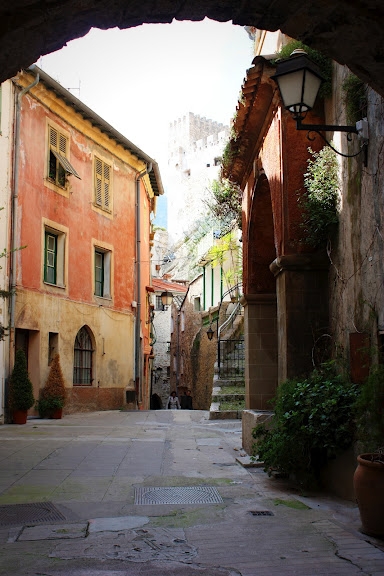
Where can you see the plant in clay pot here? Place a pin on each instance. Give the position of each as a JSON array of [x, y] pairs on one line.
[[20, 390], [369, 475], [53, 395]]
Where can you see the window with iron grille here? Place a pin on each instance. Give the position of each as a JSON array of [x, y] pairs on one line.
[[102, 184], [83, 358], [59, 166]]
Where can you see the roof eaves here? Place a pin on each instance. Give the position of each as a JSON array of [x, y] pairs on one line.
[[253, 114], [102, 125]]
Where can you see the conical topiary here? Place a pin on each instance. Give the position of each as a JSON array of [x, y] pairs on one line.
[[20, 386], [53, 395]]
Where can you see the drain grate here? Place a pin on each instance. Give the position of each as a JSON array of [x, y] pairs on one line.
[[178, 495], [261, 513], [37, 512]]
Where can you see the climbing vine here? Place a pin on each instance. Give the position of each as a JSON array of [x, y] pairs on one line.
[[320, 202], [224, 202]]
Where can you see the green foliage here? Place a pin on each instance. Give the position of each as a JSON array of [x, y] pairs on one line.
[[370, 411], [311, 424], [53, 395], [20, 386], [323, 62], [225, 202], [320, 202], [355, 98]]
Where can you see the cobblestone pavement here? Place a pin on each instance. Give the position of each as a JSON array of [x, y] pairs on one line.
[[149, 493]]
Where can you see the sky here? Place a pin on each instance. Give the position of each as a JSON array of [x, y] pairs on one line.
[[141, 79]]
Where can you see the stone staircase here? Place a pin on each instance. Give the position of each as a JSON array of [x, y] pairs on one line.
[[228, 393]]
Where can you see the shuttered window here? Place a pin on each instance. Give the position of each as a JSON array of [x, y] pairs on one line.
[[102, 184], [58, 164]]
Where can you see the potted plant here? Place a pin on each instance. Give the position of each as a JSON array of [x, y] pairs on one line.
[[53, 395], [369, 475], [20, 390]]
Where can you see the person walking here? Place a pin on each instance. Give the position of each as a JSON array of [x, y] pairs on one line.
[[173, 402], [186, 401]]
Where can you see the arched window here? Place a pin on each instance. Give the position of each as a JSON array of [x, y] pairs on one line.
[[82, 364]]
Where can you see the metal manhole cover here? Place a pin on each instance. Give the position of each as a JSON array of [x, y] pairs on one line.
[[178, 495], [261, 513], [37, 512]]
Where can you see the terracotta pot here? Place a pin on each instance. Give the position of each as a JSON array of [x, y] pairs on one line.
[[19, 416], [57, 414], [368, 483]]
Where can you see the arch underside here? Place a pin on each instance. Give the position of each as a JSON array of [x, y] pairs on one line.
[[347, 30]]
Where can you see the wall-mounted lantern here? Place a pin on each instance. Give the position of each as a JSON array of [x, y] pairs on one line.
[[166, 298], [210, 332], [299, 80]]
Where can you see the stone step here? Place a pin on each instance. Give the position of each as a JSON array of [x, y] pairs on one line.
[[225, 414], [219, 397]]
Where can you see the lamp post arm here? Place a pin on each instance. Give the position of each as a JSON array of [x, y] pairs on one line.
[[324, 127]]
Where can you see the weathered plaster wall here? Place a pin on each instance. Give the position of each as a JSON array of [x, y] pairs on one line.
[[356, 273], [6, 138], [113, 335], [43, 308]]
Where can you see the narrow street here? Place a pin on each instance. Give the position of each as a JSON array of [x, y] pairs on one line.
[[161, 492]]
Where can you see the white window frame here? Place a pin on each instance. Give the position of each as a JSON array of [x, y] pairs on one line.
[[61, 233], [107, 251]]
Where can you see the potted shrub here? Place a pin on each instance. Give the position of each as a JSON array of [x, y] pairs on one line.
[[20, 390], [53, 395], [369, 475]]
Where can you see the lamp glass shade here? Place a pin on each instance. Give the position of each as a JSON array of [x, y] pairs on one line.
[[166, 298], [210, 333], [299, 80]]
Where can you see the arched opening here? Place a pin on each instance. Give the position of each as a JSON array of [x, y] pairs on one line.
[[260, 320], [83, 369]]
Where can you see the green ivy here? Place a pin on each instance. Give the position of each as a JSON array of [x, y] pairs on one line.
[[311, 424], [319, 204], [370, 411], [355, 98], [225, 202], [323, 62]]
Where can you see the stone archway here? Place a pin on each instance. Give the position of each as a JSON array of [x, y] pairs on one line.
[[260, 311], [348, 31]]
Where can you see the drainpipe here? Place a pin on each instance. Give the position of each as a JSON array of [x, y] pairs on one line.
[[138, 383], [15, 195]]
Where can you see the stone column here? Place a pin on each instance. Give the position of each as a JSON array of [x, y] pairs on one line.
[[260, 337], [302, 304]]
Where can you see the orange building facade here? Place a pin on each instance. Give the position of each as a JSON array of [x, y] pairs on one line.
[[82, 199]]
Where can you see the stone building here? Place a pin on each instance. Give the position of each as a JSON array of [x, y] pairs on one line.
[[82, 277], [194, 158]]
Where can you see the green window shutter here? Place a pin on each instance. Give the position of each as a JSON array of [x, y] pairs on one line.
[[50, 258], [99, 273]]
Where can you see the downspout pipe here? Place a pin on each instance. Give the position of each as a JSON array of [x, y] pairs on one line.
[[138, 383], [15, 195]]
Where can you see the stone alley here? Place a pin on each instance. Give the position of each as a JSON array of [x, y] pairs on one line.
[[162, 492]]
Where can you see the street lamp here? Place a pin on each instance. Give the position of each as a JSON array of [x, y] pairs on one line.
[[210, 332], [299, 80], [166, 299]]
